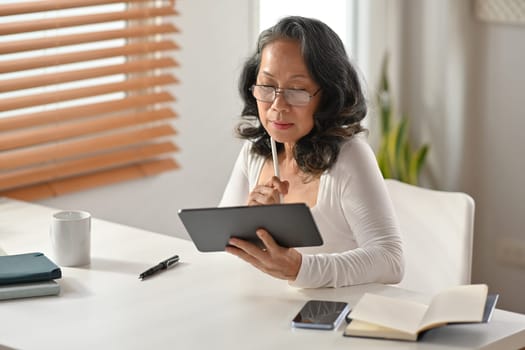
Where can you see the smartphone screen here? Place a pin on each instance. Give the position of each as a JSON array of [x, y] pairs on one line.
[[321, 314]]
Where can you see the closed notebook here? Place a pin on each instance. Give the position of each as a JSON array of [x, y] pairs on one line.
[[29, 289], [29, 267]]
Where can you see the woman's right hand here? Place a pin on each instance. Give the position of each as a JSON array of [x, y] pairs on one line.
[[268, 193]]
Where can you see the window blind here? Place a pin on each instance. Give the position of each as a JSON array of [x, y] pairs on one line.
[[83, 94]]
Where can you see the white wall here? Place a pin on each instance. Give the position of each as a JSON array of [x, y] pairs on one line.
[[462, 84], [215, 38], [496, 163]]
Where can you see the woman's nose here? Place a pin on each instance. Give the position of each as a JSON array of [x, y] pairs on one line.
[[280, 103]]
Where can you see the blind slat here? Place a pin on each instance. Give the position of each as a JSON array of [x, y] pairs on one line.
[[82, 38], [72, 94], [70, 113], [156, 167], [69, 128], [51, 152], [89, 73], [71, 21], [73, 167], [86, 55], [52, 5], [50, 133], [101, 178], [106, 177]]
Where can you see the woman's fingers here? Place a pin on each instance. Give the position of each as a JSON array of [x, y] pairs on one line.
[[274, 260], [267, 240], [238, 252], [263, 195], [247, 247], [268, 193], [277, 184]]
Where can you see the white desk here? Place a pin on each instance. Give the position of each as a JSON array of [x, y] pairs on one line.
[[209, 301]]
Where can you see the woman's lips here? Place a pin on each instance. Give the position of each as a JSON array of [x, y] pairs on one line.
[[281, 125]]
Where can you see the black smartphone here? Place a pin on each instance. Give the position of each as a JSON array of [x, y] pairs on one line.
[[321, 314]]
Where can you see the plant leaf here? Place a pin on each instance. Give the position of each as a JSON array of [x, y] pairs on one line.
[[390, 151], [416, 163], [405, 156], [400, 142], [386, 119], [395, 157], [384, 99], [382, 161]]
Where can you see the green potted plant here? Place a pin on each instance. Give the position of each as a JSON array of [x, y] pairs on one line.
[[395, 156]]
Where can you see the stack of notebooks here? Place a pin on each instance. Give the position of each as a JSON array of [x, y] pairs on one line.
[[28, 275]]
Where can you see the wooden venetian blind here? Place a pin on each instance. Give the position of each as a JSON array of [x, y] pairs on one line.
[[83, 98]]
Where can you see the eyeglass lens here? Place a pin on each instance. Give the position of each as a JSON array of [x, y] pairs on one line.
[[269, 93]]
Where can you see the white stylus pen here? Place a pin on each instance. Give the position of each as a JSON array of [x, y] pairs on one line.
[[275, 164]]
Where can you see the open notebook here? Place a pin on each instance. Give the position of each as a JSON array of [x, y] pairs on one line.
[[377, 316]]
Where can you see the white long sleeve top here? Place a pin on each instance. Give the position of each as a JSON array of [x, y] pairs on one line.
[[354, 215]]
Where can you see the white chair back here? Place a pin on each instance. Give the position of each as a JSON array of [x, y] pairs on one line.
[[437, 231]]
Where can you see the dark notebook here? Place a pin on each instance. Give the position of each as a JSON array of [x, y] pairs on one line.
[[30, 267], [490, 305]]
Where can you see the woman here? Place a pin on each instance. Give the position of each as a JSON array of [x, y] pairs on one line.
[[300, 89]]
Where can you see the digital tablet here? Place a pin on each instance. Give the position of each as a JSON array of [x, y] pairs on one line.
[[291, 225]]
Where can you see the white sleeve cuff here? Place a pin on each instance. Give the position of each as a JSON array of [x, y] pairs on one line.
[[303, 279]]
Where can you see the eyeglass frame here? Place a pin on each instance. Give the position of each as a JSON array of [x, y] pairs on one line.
[[277, 90]]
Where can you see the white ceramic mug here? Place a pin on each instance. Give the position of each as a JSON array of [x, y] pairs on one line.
[[71, 238]]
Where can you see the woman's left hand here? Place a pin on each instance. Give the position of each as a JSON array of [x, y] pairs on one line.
[[277, 261]]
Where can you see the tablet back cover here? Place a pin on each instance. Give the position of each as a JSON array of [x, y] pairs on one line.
[[291, 225]]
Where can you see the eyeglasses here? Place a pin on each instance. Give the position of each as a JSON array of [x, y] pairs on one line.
[[294, 97]]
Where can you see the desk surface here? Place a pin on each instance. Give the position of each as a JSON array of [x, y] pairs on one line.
[[209, 300]]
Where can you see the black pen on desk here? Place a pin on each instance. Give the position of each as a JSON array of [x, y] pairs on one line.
[[163, 265]]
